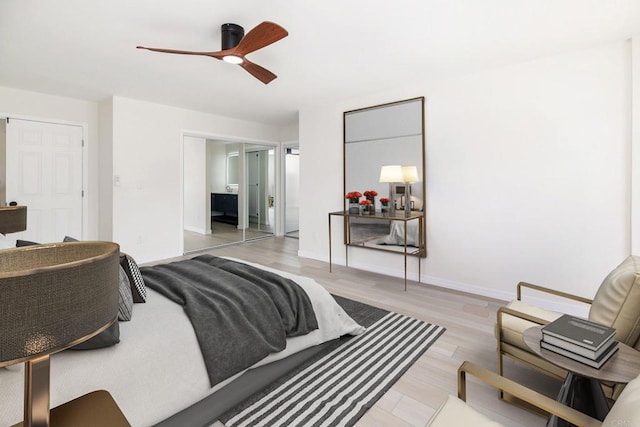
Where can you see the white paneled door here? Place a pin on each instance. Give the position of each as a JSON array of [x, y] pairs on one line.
[[44, 172]]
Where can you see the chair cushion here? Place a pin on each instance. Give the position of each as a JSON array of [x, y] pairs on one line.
[[617, 302], [455, 412], [513, 327], [625, 410]]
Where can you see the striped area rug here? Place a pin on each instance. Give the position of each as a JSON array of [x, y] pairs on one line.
[[338, 389]]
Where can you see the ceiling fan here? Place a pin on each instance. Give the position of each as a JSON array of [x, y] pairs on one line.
[[235, 45]]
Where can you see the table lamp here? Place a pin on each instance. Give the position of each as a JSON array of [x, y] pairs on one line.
[[53, 297], [409, 175], [13, 219], [391, 174]]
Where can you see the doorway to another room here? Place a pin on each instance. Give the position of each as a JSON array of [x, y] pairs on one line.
[[292, 190], [260, 163], [228, 192]]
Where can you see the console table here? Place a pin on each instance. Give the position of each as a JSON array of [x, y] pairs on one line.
[[419, 251]]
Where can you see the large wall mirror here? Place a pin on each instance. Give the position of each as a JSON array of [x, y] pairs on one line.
[[377, 136]]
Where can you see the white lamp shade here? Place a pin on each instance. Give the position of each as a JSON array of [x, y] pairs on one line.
[[391, 173], [410, 174]]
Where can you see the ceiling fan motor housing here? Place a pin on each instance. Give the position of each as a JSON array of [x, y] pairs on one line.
[[231, 35]]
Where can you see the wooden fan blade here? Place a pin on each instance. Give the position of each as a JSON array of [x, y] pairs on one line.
[[262, 35], [217, 55], [260, 73]]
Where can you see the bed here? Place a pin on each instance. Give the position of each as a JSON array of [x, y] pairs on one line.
[[157, 370]]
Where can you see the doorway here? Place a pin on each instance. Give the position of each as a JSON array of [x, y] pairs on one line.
[[260, 187], [43, 169], [292, 191]]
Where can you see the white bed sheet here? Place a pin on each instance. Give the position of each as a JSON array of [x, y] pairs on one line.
[[157, 369]]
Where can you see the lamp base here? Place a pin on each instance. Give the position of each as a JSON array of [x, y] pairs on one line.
[[96, 409]]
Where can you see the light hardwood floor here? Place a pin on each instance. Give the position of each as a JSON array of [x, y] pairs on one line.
[[469, 320]]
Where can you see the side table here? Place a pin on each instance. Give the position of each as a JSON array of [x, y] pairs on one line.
[[622, 367]]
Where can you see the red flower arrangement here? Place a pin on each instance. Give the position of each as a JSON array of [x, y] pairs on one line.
[[365, 202], [384, 201], [353, 196], [370, 193]]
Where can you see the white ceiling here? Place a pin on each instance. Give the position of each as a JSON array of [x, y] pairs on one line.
[[336, 49]]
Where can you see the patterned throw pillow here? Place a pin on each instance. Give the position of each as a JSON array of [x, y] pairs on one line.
[[138, 289], [125, 302]]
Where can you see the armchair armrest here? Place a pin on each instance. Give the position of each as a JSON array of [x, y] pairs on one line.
[[550, 291], [515, 313], [519, 314], [530, 396]]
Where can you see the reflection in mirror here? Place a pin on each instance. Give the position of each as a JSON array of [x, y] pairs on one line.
[[261, 186], [211, 193], [382, 135], [233, 165]]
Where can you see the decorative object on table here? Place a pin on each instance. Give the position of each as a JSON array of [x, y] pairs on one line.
[[367, 207], [580, 339], [354, 200], [409, 176], [384, 205], [54, 296], [391, 174], [371, 195]]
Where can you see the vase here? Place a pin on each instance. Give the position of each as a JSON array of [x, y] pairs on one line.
[[354, 208], [385, 210]]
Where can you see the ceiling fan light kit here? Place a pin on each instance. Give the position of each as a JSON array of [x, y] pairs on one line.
[[235, 45], [232, 59]]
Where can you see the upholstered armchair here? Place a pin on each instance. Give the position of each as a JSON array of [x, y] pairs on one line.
[[616, 304], [455, 412]]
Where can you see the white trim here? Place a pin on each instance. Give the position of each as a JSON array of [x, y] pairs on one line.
[[197, 230]]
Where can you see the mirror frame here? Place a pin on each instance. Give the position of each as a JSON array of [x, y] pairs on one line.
[[422, 253]]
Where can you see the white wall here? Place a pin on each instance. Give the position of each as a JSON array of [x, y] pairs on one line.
[[106, 178], [196, 195], [38, 106], [528, 175], [147, 220], [635, 145]]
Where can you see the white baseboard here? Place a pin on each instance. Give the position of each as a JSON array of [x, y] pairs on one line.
[[555, 304], [197, 230]]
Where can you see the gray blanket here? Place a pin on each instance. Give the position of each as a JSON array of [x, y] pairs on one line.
[[240, 313]]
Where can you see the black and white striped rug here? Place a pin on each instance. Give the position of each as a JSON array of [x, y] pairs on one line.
[[338, 389]]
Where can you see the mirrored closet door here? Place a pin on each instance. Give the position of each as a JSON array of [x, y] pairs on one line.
[[228, 192]]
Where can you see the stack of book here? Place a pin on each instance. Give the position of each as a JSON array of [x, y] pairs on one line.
[[580, 339]]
